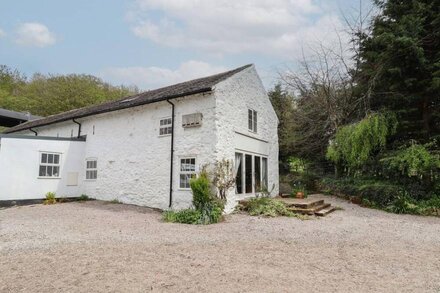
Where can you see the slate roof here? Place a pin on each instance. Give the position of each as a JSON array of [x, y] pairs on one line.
[[196, 86]]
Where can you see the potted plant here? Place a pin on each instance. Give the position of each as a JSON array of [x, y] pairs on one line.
[[300, 194]]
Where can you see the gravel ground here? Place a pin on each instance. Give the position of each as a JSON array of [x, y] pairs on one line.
[[103, 247]]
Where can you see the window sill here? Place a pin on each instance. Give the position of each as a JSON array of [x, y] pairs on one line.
[[41, 177], [164, 135], [184, 189], [90, 180]]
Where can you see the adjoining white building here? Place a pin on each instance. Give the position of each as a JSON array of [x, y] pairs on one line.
[[143, 149]]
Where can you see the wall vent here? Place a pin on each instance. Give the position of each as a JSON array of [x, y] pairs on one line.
[[192, 120]]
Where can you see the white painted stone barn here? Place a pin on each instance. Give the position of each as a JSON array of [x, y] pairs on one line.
[[143, 149]]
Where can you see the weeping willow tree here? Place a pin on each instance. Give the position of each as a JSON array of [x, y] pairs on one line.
[[354, 145]]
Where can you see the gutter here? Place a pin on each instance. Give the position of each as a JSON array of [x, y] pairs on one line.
[[36, 133], [120, 106], [79, 127], [172, 153]]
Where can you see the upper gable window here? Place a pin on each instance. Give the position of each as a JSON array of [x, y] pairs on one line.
[[165, 127], [252, 120]]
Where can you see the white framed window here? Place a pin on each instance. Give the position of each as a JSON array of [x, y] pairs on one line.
[[49, 165], [187, 171], [165, 127], [91, 169], [252, 120]]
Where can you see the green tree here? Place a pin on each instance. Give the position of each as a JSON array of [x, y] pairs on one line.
[[400, 65], [282, 103], [51, 94]]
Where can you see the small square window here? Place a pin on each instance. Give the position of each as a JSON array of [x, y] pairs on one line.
[[165, 126], [49, 165]]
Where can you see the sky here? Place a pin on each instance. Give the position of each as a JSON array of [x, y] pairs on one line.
[[153, 43]]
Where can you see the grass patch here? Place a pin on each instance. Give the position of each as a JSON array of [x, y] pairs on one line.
[[203, 216], [268, 207]]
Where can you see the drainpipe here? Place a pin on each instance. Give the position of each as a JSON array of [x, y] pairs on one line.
[[79, 127], [172, 153], [36, 133]]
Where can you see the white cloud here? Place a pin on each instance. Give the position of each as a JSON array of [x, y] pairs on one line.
[[2, 33], [34, 35], [271, 27], [154, 77]]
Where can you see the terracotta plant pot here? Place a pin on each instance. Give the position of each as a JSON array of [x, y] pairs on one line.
[[300, 194]]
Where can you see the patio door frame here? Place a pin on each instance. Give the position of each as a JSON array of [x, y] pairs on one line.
[[243, 170]]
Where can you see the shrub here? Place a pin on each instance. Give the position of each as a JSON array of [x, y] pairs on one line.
[[201, 189], [268, 207], [83, 197], [50, 198], [403, 204], [208, 209], [385, 195], [188, 216]]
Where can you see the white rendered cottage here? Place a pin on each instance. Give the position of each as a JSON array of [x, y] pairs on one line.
[[124, 149]]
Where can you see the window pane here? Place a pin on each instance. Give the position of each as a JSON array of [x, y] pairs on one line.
[[250, 124], [255, 121], [184, 180], [257, 172], [264, 172], [95, 174], [248, 173], [42, 171], [56, 159], [56, 171], [50, 158], [188, 165], [43, 158], [239, 173], [49, 171]]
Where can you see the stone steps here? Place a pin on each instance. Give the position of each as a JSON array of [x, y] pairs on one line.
[[325, 211], [311, 210], [307, 206]]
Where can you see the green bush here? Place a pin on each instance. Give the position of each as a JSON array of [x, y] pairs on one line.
[[188, 216], [384, 195], [268, 207], [202, 192], [208, 209], [403, 204], [50, 198], [83, 197]]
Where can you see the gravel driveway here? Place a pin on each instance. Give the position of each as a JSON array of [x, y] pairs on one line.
[[103, 247]]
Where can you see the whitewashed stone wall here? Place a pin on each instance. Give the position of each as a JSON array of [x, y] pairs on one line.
[[234, 97], [134, 161]]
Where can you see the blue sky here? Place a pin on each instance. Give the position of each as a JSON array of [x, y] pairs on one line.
[[151, 43]]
